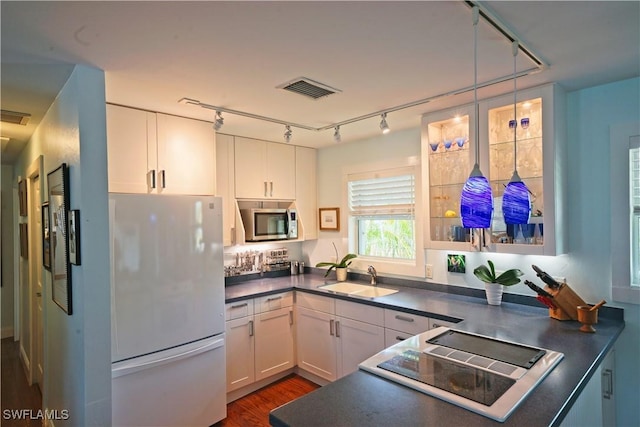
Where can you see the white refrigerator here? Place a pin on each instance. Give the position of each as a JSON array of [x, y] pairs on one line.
[[167, 310]]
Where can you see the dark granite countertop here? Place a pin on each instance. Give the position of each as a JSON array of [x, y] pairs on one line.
[[363, 399]]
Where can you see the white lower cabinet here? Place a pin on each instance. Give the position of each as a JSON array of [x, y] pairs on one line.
[[334, 336], [262, 344]]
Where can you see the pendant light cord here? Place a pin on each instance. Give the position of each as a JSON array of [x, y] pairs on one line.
[[515, 117], [476, 17]]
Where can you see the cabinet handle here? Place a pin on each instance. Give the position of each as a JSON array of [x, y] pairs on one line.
[[250, 328], [274, 298], [291, 317], [151, 179], [265, 188], [436, 325], [240, 305], [331, 326], [608, 392], [338, 329], [271, 190], [399, 338], [404, 318], [162, 180]]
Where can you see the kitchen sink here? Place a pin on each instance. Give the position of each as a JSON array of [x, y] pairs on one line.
[[358, 290]]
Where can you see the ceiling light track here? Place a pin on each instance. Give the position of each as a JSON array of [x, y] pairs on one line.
[[483, 12]]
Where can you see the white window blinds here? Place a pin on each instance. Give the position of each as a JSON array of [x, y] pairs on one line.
[[390, 192]]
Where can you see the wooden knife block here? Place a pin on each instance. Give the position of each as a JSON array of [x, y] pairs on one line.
[[566, 301]]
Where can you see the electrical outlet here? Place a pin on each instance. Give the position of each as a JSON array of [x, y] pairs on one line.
[[428, 271]]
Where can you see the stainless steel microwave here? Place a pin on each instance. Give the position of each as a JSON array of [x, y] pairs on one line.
[[269, 224]]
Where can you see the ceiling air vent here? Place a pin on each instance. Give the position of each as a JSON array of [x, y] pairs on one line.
[[308, 87], [15, 117]]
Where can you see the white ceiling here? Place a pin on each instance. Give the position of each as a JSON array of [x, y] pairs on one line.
[[380, 54]]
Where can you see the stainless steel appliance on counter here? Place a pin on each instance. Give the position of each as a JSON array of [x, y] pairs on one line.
[[482, 374], [167, 310], [269, 224]]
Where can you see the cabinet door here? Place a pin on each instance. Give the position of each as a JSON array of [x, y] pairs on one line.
[[357, 341], [250, 168], [537, 149], [448, 152], [306, 193], [225, 184], [240, 353], [131, 136], [186, 156], [316, 343], [274, 342], [281, 172]]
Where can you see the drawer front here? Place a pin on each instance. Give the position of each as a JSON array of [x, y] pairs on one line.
[[391, 337], [316, 302], [435, 323], [273, 302], [362, 312], [236, 310], [405, 322]]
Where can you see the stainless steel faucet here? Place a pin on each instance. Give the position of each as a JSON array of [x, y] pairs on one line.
[[374, 275]]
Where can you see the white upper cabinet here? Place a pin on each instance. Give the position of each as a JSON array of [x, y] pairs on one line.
[[158, 153], [306, 193], [186, 156], [541, 163], [225, 183], [131, 149], [448, 155], [264, 170]]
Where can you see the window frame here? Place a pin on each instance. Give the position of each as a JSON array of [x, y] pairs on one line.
[[389, 266], [622, 137]]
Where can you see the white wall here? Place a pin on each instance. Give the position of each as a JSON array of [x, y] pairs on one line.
[[78, 347], [6, 254], [586, 266]]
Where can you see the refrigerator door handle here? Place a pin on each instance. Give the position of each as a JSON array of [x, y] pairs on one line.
[[129, 368]]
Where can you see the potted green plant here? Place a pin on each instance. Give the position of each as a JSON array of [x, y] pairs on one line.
[[341, 267], [494, 285]]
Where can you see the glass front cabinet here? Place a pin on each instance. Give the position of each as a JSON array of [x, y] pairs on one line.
[[448, 155]]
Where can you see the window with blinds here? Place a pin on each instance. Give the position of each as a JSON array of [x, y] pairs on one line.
[[634, 187], [382, 213]]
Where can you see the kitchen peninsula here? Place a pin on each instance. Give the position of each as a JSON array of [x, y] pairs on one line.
[[363, 399]]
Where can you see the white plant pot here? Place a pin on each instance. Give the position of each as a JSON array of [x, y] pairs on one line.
[[341, 274], [494, 293]]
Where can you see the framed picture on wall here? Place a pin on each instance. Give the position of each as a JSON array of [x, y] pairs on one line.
[[329, 219], [24, 241], [46, 237], [58, 194], [22, 197]]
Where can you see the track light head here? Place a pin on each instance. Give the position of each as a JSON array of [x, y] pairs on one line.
[[287, 133], [336, 134], [219, 121], [383, 124]]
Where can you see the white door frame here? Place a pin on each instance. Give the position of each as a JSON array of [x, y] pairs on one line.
[[34, 173]]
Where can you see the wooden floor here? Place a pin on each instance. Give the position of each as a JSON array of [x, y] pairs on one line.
[[16, 392], [249, 411], [253, 409]]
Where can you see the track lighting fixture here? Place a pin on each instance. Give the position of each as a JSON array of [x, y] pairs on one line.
[[516, 204], [383, 124], [287, 133], [219, 121], [476, 200], [336, 134]]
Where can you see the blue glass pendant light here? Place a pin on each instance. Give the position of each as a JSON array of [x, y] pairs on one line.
[[476, 200], [516, 205]]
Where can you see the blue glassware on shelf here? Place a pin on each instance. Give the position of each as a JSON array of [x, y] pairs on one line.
[[434, 145], [460, 141], [513, 124], [524, 122], [447, 143]]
